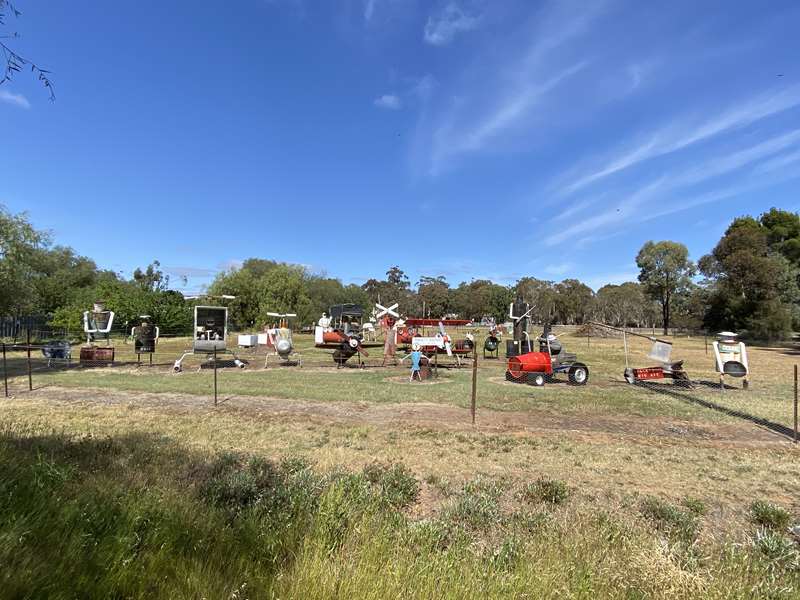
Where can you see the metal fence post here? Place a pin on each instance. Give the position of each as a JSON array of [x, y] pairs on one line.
[[5, 370], [30, 376], [215, 376]]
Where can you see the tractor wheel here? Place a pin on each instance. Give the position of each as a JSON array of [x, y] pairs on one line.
[[536, 379], [578, 374]]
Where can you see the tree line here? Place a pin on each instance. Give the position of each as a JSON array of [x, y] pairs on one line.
[[749, 282]]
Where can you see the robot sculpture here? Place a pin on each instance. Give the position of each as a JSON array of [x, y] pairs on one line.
[[519, 313], [210, 335], [278, 340], [491, 344], [97, 325], [145, 337], [731, 358]]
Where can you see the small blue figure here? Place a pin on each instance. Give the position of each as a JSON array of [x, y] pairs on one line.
[[416, 357]]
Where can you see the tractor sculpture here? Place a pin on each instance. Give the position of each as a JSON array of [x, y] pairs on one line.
[[536, 368]]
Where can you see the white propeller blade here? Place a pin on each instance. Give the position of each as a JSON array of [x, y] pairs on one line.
[[383, 310]]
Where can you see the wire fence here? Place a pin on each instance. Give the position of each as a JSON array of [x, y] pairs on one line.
[[26, 365]]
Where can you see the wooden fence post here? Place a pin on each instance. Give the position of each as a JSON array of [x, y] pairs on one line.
[[795, 404], [5, 370], [474, 382], [215, 376], [30, 377]]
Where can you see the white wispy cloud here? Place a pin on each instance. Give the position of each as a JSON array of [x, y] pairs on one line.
[[678, 135], [14, 99], [509, 112], [736, 160], [559, 269], [617, 213], [451, 20], [659, 199], [484, 113], [369, 9], [779, 162], [389, 101]]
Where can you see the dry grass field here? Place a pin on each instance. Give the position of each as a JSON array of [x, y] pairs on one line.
[[607, 489]]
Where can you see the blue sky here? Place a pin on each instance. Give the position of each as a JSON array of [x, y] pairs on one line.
[[462, 138]]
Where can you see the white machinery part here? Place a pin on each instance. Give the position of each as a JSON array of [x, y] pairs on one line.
[[263, 339], [247, 340], [89, 330], [660, 351]]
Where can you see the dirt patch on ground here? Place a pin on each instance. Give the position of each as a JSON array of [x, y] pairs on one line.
[[404, 380], [424, 415]]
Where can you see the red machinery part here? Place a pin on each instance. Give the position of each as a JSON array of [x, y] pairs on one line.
[[333, 337], [649, 373], [416, 322], [532, 362]]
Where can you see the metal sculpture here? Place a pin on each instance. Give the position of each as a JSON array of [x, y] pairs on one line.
[[145, 337], [536, 368], [491, 345], [388, 318], [97, 325], [731, 358], [660, 352], [278, 340], [210, 334], [341, 332], [519, 312]]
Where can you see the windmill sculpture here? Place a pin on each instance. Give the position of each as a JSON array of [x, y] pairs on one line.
[[388, 318]]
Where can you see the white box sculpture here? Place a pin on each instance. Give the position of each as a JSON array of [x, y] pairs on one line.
[[247, 340], [731, 358], [97, 323]]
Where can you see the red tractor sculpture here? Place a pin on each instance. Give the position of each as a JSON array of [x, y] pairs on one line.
[[535, 368]]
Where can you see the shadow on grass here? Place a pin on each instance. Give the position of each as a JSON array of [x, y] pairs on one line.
[[665, 390]]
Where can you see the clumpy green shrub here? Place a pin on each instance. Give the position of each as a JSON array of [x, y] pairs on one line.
[[671, 520], [396, 485], [775, 547], [695, 506], [553, 491], [769, 515]]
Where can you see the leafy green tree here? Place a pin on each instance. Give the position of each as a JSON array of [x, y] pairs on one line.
[[19, 246], [152, 277], [541, 295], [624, 305], [783, 233], [480, 298], [666, 273], [573, 301], [434, 294], [752, 285]]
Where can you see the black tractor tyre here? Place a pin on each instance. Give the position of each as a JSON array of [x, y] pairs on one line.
[[578, 374], [536, 379]]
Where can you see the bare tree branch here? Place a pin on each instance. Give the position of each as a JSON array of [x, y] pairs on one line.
[[14, 62]]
